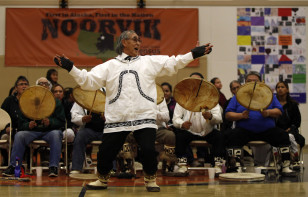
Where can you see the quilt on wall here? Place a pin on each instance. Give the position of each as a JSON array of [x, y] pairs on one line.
[[272, 41]]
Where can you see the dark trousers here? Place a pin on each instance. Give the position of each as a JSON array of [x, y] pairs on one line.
[[239, 137], [113, 142], [215, 138]]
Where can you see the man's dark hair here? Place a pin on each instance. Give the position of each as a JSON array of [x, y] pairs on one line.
[[196, 73], [21, 78], [255, 73]]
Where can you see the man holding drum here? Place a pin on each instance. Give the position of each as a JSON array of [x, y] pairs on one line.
[[130, 101], [257, 125], [48, 129]]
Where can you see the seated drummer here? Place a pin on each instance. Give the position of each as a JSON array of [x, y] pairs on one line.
[[199, 127], [48, 129], [256, 125], [91, 128]]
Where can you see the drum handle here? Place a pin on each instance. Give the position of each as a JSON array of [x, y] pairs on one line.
[[93, 102]]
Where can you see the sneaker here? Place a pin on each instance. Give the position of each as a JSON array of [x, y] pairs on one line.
[[97, 185], [286, 171], [53, 171], [10, 171], [150, 183]]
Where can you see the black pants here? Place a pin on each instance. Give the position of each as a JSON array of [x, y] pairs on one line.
[[113, 142], [215, 138], [239, 137]]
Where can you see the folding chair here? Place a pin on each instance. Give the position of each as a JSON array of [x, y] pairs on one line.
[[5, 119], [199, 143], [33, 145]]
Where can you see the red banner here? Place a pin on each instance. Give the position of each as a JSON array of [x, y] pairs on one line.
[[88, 36]]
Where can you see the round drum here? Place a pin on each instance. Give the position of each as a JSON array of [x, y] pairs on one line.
[[242, 177], [37, 103], [160, 94], [259, 97], [91, 100], [194, 94]]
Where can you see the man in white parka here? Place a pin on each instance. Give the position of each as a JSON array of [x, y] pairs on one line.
[[130, 101]]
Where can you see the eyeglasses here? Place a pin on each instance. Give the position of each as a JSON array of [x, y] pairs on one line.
[[43, 83], [136, 39], [235, 88], [23, 84]]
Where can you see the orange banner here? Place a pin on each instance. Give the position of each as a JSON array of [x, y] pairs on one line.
[[88, 36]]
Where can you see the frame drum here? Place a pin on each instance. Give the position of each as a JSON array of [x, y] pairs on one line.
[[194, 94], [259, 99], [37, 102]]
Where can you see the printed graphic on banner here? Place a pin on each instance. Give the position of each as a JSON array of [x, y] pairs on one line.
[[89, 36], [272, 42]]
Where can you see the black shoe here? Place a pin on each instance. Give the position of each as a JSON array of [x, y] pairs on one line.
[[10, 171], [53, 171]]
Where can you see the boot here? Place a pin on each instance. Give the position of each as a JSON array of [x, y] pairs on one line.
[[100, 184], [169, 159], [219, 164], [285, 157], [150, 183]]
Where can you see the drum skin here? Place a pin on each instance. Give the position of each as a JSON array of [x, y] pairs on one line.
[[194, 94], [85, 99], [37, 102], [261, 98]]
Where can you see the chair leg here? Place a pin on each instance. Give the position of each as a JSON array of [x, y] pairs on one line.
[[31, 158]]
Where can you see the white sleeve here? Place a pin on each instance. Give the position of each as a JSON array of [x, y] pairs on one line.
[[92, 80], [77, 112], [217, 117], [163, 112], [168, 66], [178, 115]]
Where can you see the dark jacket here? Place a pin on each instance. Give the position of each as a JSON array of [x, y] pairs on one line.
[[56, 120], [11, 106]]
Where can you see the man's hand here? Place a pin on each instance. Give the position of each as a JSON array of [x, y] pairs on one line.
[[245, 114], [45, 122], [86, 118], [266, 113], [32, 124], [199, 51], [207, 115], [63, 62], [186, 125]]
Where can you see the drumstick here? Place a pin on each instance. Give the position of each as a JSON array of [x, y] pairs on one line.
[[39, 107], [196, 96], [93, 102], [253, 90]]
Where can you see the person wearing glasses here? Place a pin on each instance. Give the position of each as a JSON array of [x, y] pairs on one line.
[[48, 129], [256, 125], [11, 106], [130, 100]]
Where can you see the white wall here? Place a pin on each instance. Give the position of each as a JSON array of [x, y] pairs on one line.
[[218, 26]]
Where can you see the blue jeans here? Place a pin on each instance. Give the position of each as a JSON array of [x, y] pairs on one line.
[[24, 138], [84, 136]]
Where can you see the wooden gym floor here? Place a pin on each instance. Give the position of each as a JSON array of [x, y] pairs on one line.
[[196, 184]]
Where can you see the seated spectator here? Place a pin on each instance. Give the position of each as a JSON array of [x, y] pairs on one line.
[[11, 106], [290, 120], [48, 129], [52, 76], [256, 125], [199, 127], [58, 92], [234, 86], [217, 83], [91, 128]]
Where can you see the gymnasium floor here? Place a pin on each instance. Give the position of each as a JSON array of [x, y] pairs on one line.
[[196, 184]]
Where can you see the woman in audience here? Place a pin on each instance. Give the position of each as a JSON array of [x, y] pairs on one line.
[[52, 76], [290, 120], [58, 92], [217, 83]]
